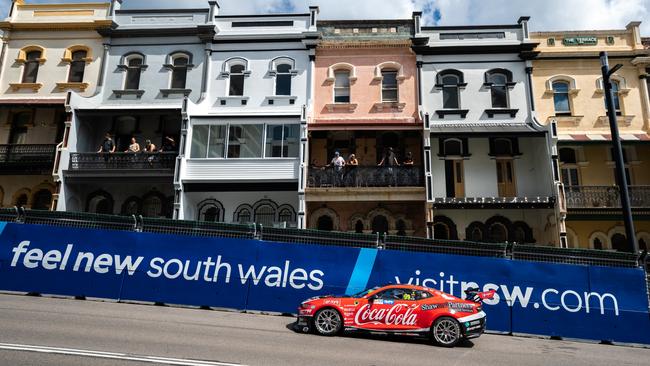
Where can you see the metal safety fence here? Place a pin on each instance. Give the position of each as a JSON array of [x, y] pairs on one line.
[[314, 237]]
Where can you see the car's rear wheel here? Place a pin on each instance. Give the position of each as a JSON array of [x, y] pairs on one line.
[[328, 322], [446, 332]]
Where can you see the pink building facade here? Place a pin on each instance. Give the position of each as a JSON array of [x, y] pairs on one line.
[[365, 104]]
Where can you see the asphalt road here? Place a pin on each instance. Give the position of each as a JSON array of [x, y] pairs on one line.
[[47, 331]]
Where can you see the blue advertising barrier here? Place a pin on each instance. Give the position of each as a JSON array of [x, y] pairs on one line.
[[573, 301]]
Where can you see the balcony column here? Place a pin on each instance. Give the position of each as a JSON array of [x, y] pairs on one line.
[[645, 95], [430, 214]]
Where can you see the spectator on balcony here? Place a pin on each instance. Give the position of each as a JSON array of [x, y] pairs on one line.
[[134, 147], [388, 162], [168, 144], [352, 160], [107, 147], [149, 147], [352, 165], [408, 160], [338, 163]]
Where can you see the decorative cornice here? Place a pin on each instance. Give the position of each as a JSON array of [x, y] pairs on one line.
[[397, 43], [56, 26], [63, 6]]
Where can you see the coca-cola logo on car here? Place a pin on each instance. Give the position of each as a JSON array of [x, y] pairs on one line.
[[398, 314]]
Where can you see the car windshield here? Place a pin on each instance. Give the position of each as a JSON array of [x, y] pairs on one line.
[[365, 292]]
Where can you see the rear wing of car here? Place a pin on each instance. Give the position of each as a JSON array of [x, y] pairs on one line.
[[475, 294]]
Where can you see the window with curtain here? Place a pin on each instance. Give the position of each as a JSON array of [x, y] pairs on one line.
[[342, 87], [561, 98], [77, 67], [389, 89], [179, 72], [236, 80], [32, 63], [450, 91], [499, 90], [133, 71]]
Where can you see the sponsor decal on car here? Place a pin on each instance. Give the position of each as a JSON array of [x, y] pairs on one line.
[[433, 306], [463, 308], [399, 314]]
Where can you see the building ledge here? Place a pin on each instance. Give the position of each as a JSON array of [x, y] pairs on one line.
[[389, 107], [603, 121], [566, 121], [494, 202], [341, 107], [78, 86], [119, 93], [167, 92], [499, 111], [365, 194], [33, 86], [450, 112]]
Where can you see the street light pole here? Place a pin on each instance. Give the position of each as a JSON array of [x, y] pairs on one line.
[[621, 179]]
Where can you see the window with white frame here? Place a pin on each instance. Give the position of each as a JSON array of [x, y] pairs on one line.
[[389, 88], [235, 141], [616, 88], [283, 78], [342, 86], [237, 76], [179, 66], [569, 167], [282, 141], [561, 98], [133, 66]]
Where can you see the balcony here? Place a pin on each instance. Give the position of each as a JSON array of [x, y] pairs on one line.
[[149, 167], [27, 159], [362, 177], [605, 197]]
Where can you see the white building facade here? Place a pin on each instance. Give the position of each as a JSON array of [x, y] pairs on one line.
[[489, 175], [244, 160], [153, 60]]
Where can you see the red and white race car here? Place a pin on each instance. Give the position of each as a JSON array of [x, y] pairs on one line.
[[402, 309]]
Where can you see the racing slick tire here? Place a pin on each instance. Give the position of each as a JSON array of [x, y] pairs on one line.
[[446, 332], [327, 322]]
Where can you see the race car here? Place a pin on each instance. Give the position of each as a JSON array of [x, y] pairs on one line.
[[400, 309]]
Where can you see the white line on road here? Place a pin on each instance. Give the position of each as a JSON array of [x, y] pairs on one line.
[[113, 356]]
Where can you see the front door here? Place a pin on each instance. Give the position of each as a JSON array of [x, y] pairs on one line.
[[455, 178], [506, 178]]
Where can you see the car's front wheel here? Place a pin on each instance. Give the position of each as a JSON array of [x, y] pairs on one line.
[[328, 322], [446, 332]]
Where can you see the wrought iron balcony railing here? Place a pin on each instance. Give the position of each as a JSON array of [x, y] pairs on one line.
[[358, 176], [605, 196], [25, 159], [123, 161]]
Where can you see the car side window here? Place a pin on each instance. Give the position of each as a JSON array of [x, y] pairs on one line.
[[398, 294], [422, 295]]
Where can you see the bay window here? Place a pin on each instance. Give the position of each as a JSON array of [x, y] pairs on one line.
[[242, 141]]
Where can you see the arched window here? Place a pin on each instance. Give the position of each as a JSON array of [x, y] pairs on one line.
[[441, 231], [42, 200], [286, 214], [77, 66], [180, 64], [21, 200], [342, 86], [210, 210], [379, 224], [598, 244], [32, 63], [450, 81], [243, 216], [131, 206], [358, 227], [643, 245], [502, 147], [475, 232], [620, 243], [389, 88], [100, 202], [237, 80], [561, 98], [519, 235], [283, 79], [134, 66], [152, 206], [498, 233], [499, 80], [265, 215], [325, 223], [453, 147]]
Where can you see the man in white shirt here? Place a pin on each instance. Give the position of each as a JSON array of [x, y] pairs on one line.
[[338, 163]]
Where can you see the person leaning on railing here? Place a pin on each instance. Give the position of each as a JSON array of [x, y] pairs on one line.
[[389, 161], [107, 147], [150, 149]]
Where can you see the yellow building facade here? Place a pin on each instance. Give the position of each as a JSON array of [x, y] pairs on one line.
[[568, 91]]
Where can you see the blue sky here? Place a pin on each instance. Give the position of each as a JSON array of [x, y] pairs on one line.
[[546, 14]]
